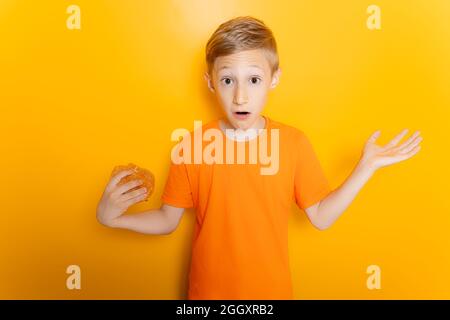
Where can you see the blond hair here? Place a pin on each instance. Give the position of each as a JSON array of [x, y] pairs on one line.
[[239, 34]]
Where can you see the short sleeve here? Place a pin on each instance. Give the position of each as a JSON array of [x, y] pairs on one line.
[[177, 191], [311, 184]]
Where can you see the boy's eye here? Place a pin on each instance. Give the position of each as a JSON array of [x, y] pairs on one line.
[[227, 81], [255, 80]]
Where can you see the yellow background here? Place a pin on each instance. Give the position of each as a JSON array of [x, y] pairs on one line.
[[75, 103]]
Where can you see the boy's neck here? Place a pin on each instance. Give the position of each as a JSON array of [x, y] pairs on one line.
[[242, 135], [260, 123]]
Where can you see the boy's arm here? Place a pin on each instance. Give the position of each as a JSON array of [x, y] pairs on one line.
[[324, 213], [157, 221], [116, 199]]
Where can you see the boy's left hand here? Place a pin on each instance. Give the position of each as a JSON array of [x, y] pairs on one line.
[[375, 156]]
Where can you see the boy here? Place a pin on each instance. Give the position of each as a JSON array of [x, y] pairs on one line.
[[240, 248]]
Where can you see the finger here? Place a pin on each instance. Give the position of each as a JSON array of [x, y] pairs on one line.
[[132, 194], [116, 178], [409, 140], [407, 155], [373, 137], [396, 139], [414, 151], [127, 186], [411, 145], [134, 200]]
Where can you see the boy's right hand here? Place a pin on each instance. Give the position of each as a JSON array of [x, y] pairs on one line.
[[114, 202]]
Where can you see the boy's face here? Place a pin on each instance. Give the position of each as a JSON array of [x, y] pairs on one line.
[[241, 82]]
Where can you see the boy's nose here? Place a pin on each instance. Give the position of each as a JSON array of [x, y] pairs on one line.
[[240, 95]]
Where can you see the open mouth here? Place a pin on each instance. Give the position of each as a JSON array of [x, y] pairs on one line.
[[241, 115]]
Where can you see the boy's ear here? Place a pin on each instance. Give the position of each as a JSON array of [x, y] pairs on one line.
[[209, 81], [275, 78]]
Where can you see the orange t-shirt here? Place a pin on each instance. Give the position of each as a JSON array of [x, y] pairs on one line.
[[240, 244]]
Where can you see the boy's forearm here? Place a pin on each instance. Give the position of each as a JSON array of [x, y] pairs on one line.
[[153, 221], [331, 207]]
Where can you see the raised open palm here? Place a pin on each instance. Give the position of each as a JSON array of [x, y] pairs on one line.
[[379, 156]]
